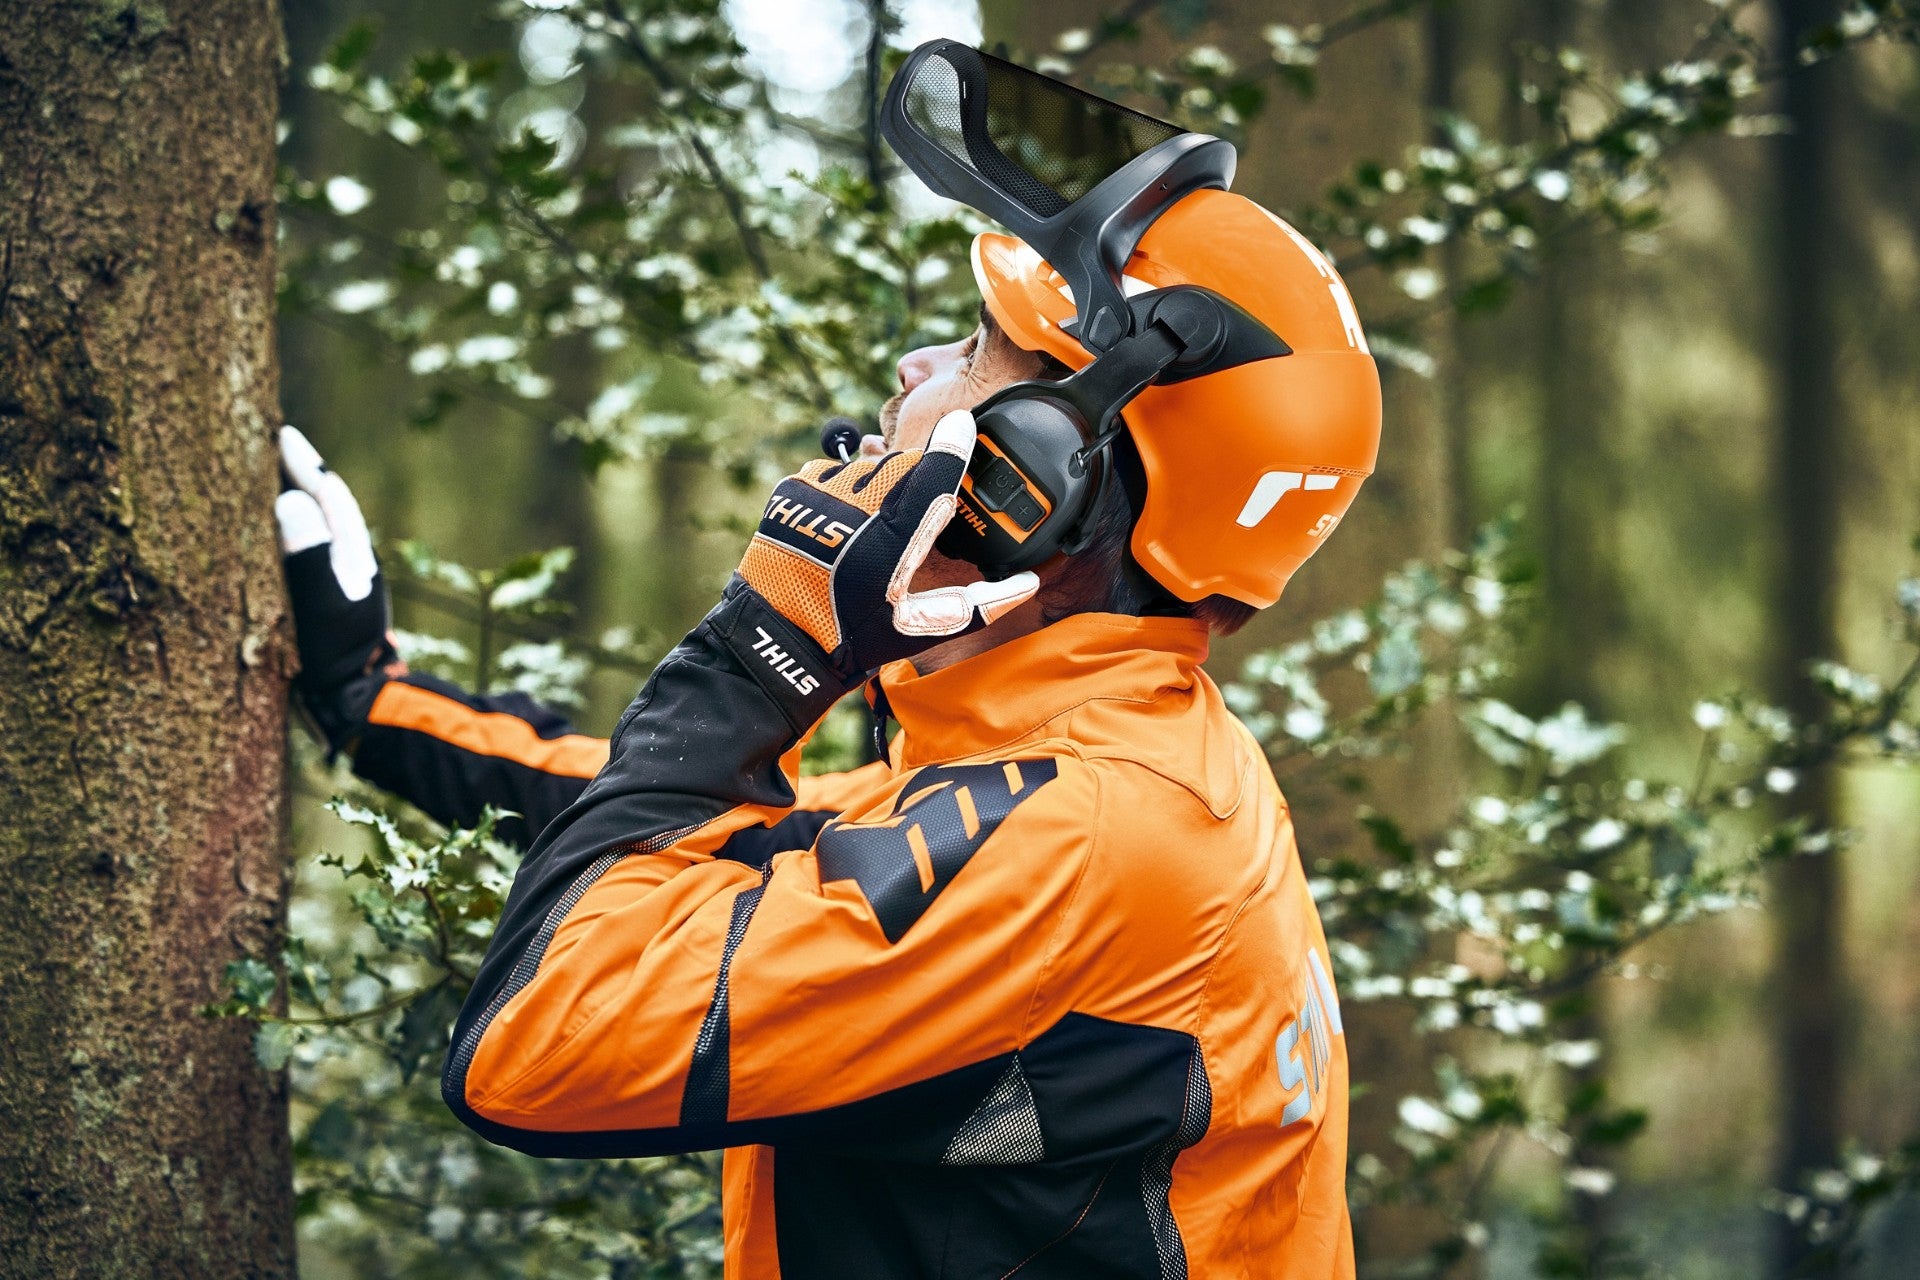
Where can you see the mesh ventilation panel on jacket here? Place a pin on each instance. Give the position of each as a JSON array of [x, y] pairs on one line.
[[1004, 1128], [1040, 141]]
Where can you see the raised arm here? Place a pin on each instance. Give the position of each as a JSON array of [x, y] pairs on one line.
[[601, 1020], [444, 750], [452, 753]]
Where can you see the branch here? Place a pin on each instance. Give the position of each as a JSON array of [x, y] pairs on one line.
[[879, 23], [1109, 29], [1362, 18], [444, 937], [459, 607], [362, 1015], [1318, 36], [1626, 122], [665, 80]]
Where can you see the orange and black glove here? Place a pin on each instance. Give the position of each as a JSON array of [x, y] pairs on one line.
[[834, 559]]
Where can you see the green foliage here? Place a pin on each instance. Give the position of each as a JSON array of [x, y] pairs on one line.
[[615, 199], [660, 236], [514, 621], [1553, 870], [1836, 1204], [387, 931]]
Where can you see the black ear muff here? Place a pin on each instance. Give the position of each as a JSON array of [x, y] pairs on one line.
[[1027, 485], [1040, 464]]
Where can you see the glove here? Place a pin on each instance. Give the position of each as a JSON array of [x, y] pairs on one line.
[[340, 611], [839, 543]]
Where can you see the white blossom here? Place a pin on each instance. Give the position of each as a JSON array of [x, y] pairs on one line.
[[360, 296], [1424, 1116], [485, 348], [347, 195], [1552, 185], [1574, 1053], [1590, 1181]]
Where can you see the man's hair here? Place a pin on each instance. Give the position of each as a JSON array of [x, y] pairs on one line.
[[1103, 576]]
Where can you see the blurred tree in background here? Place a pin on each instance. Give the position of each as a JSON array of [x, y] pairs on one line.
[[591, 272]]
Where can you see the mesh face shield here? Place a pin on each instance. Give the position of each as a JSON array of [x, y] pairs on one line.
[[1076, 176]]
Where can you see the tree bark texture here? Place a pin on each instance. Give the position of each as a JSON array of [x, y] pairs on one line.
[[143, 649]]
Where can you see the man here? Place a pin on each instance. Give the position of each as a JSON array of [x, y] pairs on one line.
[[1041, 993]]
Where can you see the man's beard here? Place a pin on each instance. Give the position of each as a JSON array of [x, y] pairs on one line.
[[890, 417]]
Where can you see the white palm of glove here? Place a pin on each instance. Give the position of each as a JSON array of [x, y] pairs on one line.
[[321, 511], [340, 613]]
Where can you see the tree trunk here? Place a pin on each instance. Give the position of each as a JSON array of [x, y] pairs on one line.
[[142, 648], [1807, 983]]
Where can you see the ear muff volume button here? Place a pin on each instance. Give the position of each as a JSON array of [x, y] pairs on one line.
[[1024, 511]]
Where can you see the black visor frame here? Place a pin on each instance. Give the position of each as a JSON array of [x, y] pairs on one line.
[[1085, 235]]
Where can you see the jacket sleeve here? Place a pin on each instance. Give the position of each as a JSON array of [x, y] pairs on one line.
[[451, 753], [645, 995]]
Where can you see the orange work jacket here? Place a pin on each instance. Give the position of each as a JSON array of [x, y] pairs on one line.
[[1044, 994]]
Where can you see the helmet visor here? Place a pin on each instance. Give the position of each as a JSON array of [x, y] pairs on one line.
[[1039, 142], [1076, 176]]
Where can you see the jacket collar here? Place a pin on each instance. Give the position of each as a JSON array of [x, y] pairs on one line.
[[996, 698]]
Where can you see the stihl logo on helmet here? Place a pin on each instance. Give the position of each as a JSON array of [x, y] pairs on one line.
[[1274, 486]]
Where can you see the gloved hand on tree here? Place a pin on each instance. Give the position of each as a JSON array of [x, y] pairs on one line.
[[340, 612]]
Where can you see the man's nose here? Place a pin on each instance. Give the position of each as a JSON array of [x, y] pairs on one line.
[[915, 367]]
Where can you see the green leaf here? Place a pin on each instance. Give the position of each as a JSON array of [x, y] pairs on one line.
[[273, 1044], [252, 982], [1388, 837], [352, 48], [1614, 1128], [431, 409], [527, 581], [333, 1135], [424, 1027], [1245, 97], [1675, 855]]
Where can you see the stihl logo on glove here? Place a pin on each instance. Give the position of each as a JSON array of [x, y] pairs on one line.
[[782, 662], [835, 556], [807, 522], [810, 521]]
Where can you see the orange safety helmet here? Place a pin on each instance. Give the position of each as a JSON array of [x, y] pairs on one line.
[[1248, 468]]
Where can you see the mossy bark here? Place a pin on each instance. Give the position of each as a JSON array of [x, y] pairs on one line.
[[143, 642]]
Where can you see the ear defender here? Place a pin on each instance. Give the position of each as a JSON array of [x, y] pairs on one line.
[[1040, 463]]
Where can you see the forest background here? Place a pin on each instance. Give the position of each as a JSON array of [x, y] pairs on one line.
[[1610, 810]]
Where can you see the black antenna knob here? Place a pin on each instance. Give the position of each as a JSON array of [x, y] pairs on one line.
[[840, 438]]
